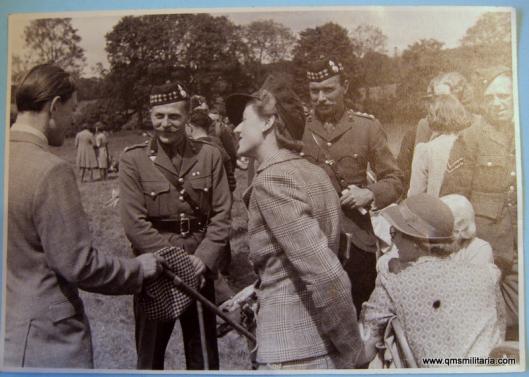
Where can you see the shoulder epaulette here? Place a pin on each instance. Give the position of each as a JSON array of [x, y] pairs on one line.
[[364, 115], [136, 146]]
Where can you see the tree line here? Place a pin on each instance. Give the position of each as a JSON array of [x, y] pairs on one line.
[[214, 57]]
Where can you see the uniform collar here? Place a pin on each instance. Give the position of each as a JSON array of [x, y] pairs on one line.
[[342, 126], [188, 157]]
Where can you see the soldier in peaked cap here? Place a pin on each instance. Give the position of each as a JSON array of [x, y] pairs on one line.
[[482, 166], [344, 142], [174, 192]]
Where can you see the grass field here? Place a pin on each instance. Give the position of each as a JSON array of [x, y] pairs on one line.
[[111, 316]]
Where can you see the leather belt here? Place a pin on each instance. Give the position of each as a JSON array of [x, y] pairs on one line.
[[183, 224]]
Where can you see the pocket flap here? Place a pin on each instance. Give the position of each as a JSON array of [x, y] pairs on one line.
[[492, 160], [153, 189], [200, 183]]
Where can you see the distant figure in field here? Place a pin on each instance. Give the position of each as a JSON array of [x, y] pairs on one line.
[[86, 155], [102, 150]]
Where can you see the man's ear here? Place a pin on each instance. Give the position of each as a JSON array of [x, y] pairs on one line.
[[54, 104], [345, 86]]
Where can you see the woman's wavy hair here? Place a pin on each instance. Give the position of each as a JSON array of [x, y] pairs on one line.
[[447, 115], [266, 107]]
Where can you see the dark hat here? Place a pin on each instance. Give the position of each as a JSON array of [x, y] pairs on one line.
[[324, 69], [276, 97], [198, 101], [167, 93], [200, 118], [422, 216]]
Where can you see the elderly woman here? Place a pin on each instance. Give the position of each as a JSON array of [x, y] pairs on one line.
[[448, 308], [306, 318], [466, 246]]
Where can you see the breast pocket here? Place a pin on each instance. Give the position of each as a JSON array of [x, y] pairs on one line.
[[202, 187], [156, 196], [491, 174]]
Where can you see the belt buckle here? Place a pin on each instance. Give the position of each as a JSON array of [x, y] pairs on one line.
[[185, 225]]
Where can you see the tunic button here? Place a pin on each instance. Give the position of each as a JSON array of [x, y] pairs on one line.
[[181, 198], [182, 192], [153, 193], [511, 188], [181, 180], [510, 204], [513, 174], [198, 173], [301, 154], [355, 155], [206, 189], [329, 144], [489, 163]]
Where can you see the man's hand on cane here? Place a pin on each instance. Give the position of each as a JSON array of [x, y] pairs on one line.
[[200, 269], [152, 265]]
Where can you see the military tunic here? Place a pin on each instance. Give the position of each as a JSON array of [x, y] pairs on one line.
[[356, 141], [347, 150], [154, 213], [482, 167]]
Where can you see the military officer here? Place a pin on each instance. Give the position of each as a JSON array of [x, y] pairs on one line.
[[482, 166], [345, 142], [174, 192]]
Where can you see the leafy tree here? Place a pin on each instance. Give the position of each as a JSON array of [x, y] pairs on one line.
[[421, 62], [202, 51], [55, 40], [491, 29], [268, 41], [316, 43], [368, 39]]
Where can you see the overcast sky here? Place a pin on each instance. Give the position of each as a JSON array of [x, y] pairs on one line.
[[402, 25]]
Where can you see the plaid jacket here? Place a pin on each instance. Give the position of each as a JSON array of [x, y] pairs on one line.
[[306, 308]]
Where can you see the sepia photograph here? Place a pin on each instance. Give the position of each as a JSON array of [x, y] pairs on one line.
[[263, 189]]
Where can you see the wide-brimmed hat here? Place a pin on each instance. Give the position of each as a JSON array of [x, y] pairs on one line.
[[278, 97], [423, 217]]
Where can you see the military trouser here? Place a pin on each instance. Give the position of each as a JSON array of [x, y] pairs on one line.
[[152, 337], [362, 272], [509, 291]]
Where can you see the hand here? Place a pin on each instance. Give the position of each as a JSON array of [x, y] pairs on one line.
[[151, 265], [200, 269], [355, 197]]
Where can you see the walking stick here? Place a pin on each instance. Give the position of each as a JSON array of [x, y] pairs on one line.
[[208, 304], [202, 328]]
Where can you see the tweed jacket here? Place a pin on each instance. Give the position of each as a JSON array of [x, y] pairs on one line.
[[50, 256], [146, 194], [306, 309], [356, 142]]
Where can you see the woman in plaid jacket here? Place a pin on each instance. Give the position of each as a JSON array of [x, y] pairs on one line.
[[306, 319]]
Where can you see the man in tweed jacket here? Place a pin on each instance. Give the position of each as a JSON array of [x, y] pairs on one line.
[[306, 318]]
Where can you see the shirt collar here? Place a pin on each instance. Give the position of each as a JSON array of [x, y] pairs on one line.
[[20, 127]]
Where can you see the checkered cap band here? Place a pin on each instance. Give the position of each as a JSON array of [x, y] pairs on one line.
[[160, 300], [168, 93], [329, 68]]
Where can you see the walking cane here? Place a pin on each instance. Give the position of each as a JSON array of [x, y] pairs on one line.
[[208, 304], [202, 328]]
